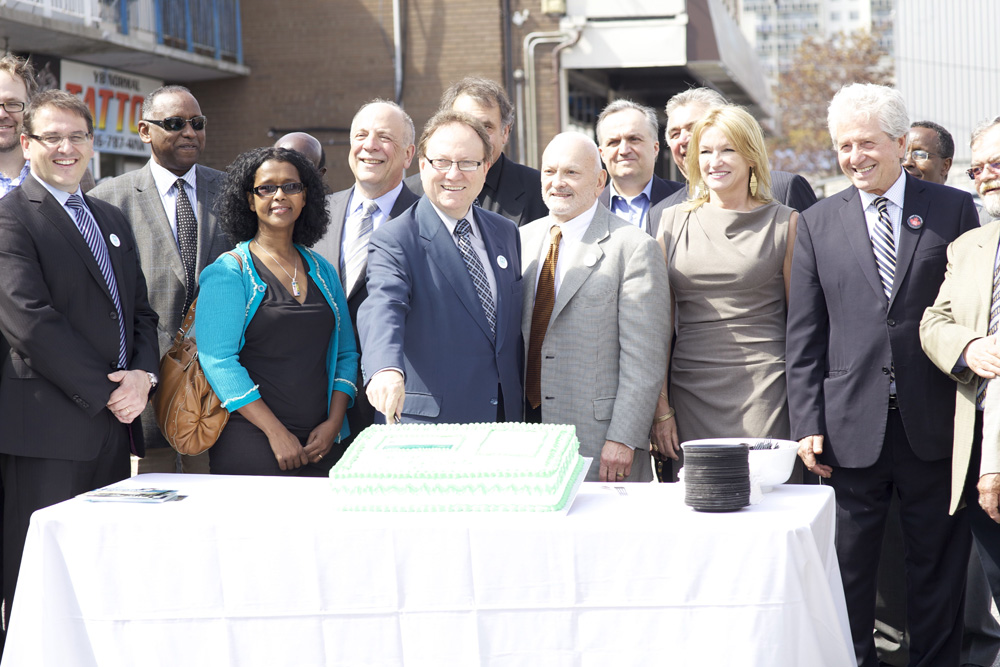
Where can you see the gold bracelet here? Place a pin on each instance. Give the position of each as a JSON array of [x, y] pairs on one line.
[[664, 396], [665, 416]]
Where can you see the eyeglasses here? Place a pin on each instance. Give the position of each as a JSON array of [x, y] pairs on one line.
[[976, 171], [176, 123], [271, 190], [441, 164], [56, 140], [12, 107], [919, 155]]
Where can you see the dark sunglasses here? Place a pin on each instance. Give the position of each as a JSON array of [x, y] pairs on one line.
[[270, 190], [176, 123]]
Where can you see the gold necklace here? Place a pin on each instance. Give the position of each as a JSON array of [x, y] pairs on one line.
[[295, 269]]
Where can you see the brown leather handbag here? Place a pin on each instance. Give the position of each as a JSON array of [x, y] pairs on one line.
[[188, 412]]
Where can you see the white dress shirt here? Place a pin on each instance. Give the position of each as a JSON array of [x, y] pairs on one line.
[[477, 244], [355, 208], [572, 235]]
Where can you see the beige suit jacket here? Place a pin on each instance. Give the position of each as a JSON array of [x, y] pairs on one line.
[[605, 350], [960, 314]]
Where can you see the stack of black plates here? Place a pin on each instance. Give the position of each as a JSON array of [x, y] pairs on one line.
[[716, 477]]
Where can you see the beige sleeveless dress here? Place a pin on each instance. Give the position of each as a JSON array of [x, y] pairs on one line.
[[727, 370]]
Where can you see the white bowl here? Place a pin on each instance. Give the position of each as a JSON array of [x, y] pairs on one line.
[[767, 466]]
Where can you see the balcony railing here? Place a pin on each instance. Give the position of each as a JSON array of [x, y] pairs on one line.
[[207, 27]]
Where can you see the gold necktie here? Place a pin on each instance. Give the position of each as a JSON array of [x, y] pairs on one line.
[[545, 297]]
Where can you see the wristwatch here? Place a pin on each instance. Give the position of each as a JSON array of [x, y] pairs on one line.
[[153, 381]]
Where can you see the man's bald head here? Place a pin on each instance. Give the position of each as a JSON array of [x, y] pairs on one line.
[[572, 177], [306, 144]]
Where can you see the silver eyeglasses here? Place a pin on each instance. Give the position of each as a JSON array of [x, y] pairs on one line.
[[441, 164]]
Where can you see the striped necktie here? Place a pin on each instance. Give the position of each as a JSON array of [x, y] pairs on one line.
[[994, 326], [463, 230], [355, 259], [92, 235], [884, 245]]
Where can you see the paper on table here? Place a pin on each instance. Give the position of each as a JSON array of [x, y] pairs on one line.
[[126, 495]]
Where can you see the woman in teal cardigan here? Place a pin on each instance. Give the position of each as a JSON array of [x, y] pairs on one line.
[[274, 334]]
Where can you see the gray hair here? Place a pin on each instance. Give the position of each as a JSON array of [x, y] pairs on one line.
[[147, 104], [703, 96], [485, 92], [411, 131], [866, 101], [623, 105], [982, 128], [448, 117]]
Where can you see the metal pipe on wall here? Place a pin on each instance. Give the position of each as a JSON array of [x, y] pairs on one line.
[[397, 45], [531, 40], [563, 39]]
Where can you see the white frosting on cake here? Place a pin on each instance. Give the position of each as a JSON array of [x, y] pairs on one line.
[[458, 467]]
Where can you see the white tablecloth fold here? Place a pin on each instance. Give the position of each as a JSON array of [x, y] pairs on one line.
[[262, 571]]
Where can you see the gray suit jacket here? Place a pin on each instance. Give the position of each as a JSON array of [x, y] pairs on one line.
[[605, 350], [329, 246], [361, 415], [136, 195]]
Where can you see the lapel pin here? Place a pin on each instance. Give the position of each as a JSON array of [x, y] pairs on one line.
[[115, 241], [914, 222], [501, 261], [590, 260]]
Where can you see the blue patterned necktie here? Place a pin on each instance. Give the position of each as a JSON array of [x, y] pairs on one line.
[[92, 235], [884, 245], [463, 230]]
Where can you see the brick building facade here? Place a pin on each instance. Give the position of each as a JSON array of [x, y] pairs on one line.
[[315, 62]]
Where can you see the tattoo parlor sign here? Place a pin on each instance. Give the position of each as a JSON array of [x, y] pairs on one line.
[[115, 100]]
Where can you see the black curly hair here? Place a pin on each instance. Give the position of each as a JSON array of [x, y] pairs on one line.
[[240, 223]]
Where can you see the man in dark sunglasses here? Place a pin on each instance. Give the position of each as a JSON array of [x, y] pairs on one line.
[[169, 203]]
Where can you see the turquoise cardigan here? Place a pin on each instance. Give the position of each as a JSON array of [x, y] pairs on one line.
[[228, 298]]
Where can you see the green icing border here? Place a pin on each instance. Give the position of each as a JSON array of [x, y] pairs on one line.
[[473, 481]]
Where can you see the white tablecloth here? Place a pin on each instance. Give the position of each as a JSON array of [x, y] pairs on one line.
[[262, 571]]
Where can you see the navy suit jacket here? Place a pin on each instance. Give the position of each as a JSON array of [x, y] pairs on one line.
[[423, 316], [660, 190], [842, 335]]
